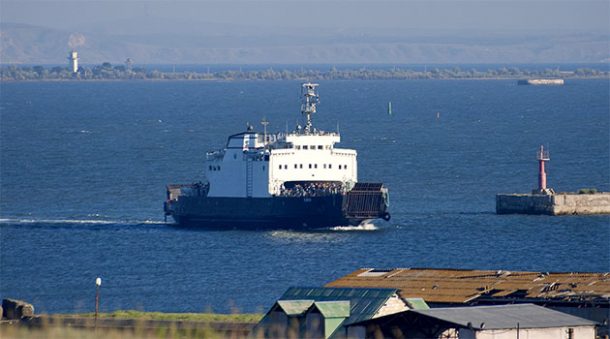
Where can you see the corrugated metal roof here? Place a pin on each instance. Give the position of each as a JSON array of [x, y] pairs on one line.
[[460, 286], [505, 317], [364, 302], [295, 307], [333, 309]]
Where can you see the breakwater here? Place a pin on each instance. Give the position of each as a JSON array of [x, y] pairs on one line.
[[538, 82], [553, 204]]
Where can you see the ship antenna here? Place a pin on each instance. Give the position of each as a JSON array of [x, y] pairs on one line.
[[264, 122], [309, 101]]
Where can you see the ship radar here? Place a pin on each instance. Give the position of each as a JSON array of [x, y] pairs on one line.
[[308, 107]]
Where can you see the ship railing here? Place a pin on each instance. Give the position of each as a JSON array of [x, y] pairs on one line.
[[258, 154], [175, 191], [313, 190], [212, 155], [268, 138], [315, 132]]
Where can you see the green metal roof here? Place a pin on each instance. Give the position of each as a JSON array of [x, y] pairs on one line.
[[333, 309], [295, 307], [417, 304], [364, 302]]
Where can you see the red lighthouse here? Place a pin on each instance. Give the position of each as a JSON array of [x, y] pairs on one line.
[[542, 156]]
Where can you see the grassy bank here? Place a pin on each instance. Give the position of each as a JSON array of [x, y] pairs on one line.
[[132, 324], [200, 317]]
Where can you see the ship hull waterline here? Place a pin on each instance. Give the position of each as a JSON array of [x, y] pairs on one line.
[[297, 213]]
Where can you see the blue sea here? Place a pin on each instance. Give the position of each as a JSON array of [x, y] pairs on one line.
[[84, 167]]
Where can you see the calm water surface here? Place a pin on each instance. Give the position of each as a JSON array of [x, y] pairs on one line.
[[84, 168]]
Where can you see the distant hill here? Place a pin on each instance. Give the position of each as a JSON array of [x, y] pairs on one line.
[[21, 43]]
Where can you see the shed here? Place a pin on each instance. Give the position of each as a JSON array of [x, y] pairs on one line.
[[324, 312], [481, 322], [324, 317]]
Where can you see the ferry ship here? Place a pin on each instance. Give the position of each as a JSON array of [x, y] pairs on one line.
[[294, 180]]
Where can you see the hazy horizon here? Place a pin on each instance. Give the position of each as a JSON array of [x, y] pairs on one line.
[[294, 32]]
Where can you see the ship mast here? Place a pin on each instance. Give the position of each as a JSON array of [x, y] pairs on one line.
[[308, 106], [264, 122]]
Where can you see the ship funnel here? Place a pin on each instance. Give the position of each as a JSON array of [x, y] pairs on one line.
[[309, 101]]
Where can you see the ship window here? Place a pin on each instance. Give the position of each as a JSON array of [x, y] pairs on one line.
[[312, 147], [301, 166], [297, 146], [210, 168], [305, 147], [295, 166], [285, 166], [280, 166], [320, 147], [344, 167], [324, 165], [309, 165], [339, 166], [315, 166], [330, 166]]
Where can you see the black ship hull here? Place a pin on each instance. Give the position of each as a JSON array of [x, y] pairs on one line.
[[303, 212]]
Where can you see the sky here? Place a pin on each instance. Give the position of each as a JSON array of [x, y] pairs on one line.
[[414, 17], [291, 31]]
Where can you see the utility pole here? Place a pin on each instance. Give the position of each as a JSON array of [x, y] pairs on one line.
[[98, 283]]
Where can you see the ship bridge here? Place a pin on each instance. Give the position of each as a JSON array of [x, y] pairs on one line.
[[257, 164]]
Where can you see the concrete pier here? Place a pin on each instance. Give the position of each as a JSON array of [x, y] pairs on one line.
[[544, 200], [554, 204]]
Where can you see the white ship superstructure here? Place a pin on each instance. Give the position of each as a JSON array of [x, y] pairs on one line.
[[264, 165]]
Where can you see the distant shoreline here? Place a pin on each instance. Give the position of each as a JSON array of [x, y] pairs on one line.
[[108, 72], [265, 80]]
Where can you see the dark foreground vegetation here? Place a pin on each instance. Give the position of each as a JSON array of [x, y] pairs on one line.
[[107, 71], [131, 324]]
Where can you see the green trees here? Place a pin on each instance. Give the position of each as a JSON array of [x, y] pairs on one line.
[[121, 72]]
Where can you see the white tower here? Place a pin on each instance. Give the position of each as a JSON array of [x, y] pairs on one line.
[[73, 58]]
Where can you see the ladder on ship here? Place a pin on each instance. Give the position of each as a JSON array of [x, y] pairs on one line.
[[249, 178]]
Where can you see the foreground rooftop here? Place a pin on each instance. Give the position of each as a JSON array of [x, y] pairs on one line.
[[460, 286]]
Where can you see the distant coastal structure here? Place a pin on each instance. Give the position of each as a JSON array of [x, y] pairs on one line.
[[538, 82], [544, 200], [73, 61]]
